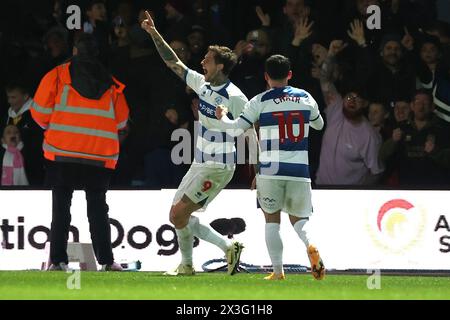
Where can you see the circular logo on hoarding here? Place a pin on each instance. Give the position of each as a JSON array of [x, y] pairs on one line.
[[399, 226]]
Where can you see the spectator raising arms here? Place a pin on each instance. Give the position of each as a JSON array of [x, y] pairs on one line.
[[349, 154]]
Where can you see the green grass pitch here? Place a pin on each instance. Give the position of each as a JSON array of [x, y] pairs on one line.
[[215, 286]]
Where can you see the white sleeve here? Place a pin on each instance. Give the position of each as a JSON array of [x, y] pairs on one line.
[[194, 80], [314, 108], [318, 123], [245, 121], [237, 105], [251, 111], [234, 128]]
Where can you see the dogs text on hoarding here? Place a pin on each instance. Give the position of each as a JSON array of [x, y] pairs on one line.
[[20, 235]]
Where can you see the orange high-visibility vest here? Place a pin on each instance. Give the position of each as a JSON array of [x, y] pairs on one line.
[[79, 129]]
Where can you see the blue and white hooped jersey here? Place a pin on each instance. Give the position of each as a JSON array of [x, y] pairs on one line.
[[284, 115], [214, 146]]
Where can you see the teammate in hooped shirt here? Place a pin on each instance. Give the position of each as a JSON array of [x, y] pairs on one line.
[[283, 183]]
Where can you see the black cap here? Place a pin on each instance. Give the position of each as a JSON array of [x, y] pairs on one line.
[[390, 37], [87, 45]]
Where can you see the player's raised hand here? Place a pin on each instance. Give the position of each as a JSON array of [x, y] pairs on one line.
[[221, 111], [148, 24]]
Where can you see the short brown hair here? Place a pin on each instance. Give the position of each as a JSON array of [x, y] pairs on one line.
[[278, 67], [225, 56]]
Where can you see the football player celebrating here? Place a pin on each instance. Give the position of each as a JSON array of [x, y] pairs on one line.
[[283, 182], [215, 152]]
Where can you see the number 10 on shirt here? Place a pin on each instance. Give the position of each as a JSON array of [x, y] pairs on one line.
[[285, 125]]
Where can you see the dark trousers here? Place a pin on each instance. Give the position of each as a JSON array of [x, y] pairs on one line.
[[64, 178], [160, 172]]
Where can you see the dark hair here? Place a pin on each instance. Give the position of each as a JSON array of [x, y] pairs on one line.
[[305, 2], [359, 89], [225, 56], [425, 92], [278, 67], [385, 107], [94, 2], [402, 98], [440, 26], [16, 86], [388, 38], [198, 28], [182, 6], [87, 45], [430, 39]]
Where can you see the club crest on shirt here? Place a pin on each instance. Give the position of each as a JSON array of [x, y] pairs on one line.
[[218, 100]]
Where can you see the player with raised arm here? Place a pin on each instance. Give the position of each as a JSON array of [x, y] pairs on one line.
[[215, 152], [283, 183]]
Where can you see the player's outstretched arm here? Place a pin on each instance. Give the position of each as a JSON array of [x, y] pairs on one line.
[[165, 51], [235, 127]]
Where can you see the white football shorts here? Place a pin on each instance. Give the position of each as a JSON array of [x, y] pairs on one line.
[[203, 184], [292, 197]]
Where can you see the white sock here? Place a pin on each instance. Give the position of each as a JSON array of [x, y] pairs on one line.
[[275, 246], [185, 242], [210, 235], [299, 227]]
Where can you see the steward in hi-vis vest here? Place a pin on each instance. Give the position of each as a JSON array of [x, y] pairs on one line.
[[82, 108], [81, 129]]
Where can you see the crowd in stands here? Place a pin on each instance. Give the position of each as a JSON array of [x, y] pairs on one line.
[[384, 93]]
